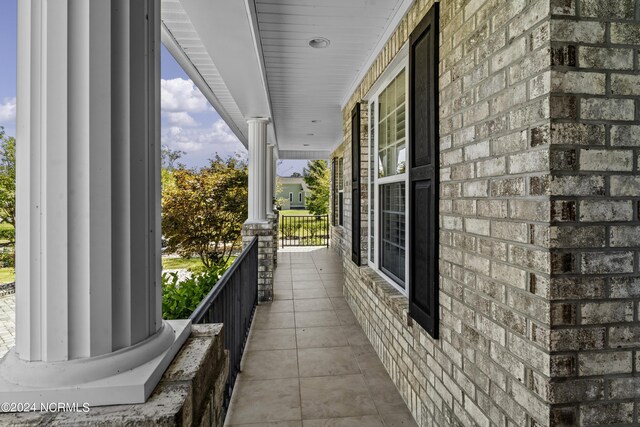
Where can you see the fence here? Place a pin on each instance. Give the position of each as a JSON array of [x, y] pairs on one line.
[[232, 302], [304, 230]]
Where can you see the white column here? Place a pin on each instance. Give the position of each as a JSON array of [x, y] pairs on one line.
[[257, 169], [269, 183], [88, 258], [274, 175]]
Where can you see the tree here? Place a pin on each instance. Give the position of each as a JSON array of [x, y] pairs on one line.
[[279, 201], [170, 157], [203, 210], [318, 179], [296, 175], [7, 181]]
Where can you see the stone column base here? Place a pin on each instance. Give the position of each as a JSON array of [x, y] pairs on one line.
[[190, 393], [275, 218], [264, 231]]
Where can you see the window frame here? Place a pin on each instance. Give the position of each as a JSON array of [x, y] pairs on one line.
[[374, 189], [300, 197], [290, 197]]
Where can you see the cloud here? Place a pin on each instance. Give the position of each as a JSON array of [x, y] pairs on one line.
[[8, 110], [216, 138], [181, 95], [179, 118]]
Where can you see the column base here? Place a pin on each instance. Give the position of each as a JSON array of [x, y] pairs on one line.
[[262, 229], [118, 378]]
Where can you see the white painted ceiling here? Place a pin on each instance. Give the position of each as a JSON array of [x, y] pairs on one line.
[[258, 50]]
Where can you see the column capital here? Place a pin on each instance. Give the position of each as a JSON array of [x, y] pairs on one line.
[[259, 120]]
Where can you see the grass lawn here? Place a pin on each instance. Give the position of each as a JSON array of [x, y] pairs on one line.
[[7, 275], [294, 212], [179, 263], [5, 226]]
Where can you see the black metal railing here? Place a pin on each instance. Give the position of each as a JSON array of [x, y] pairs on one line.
[[232, 302], [304, 230]]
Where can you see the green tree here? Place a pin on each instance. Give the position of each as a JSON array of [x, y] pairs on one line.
[[318, 179], [203, 210], [7, 178], [279, 201], [170, 157]]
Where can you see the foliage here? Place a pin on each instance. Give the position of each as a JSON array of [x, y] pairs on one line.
[[296, 175], [318, 178], [7, 258], [180, 299], [7, 178], [203, 210], [170, 157], [279, 201]]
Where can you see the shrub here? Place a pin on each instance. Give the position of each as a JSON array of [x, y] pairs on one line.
[[181, 298], [7, 257]]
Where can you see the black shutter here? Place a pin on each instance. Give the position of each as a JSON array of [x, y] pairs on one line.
[[423, 173], [355, 185]]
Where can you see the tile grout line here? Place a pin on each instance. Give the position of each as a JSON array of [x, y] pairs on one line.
[[295, 334]]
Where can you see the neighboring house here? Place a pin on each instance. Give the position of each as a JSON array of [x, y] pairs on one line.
[[293, 192]]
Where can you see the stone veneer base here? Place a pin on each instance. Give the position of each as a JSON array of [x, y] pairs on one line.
[[190, 393], [264, 230]]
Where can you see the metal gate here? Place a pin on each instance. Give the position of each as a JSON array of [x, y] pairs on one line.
[[304, 230]]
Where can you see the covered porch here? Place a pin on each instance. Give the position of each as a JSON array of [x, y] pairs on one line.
[[307, 361]]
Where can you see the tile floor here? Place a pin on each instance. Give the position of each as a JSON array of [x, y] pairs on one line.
[[307, 361]]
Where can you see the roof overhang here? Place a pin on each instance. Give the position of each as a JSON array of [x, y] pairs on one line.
[[251, 58]]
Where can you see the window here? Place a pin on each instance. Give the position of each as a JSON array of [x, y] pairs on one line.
[[290, 197], [338, 194], [300, 197], [403, 173], [388, 180]]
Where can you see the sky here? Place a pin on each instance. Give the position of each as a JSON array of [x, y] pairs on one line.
[[189, 123]]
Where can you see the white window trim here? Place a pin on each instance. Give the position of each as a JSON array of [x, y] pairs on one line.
[[401, 62]]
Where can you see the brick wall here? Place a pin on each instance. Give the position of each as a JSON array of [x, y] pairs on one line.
[[539, 219], [593, 141], [491, 365]]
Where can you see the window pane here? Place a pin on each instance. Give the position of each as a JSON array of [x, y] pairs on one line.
[[382, 137], [392, 236], [400, 88], [401, 158], [392, 128]]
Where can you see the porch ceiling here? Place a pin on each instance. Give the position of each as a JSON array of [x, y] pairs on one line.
[[254, 56]]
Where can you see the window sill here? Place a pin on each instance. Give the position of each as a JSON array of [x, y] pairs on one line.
[[392, 298]]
